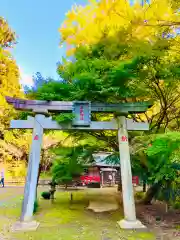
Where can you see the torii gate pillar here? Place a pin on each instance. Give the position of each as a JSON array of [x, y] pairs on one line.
[[26, 222], [129, 221]]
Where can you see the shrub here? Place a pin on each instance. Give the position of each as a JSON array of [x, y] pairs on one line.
[[160, 196], [139, 195], [67, 167], [176, 204], [36, 205], [46, 195]]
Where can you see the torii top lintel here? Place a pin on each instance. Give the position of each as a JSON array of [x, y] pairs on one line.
[[66, 106]]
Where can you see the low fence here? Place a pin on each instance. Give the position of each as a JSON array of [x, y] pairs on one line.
[[42, 182]]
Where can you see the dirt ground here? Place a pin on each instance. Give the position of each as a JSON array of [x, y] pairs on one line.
[[166, 225]]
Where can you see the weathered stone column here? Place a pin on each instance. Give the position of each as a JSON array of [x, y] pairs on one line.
[[129, 221], [31, 179]]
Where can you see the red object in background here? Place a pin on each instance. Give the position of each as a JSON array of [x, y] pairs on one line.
[[88, 179], [135, 180]]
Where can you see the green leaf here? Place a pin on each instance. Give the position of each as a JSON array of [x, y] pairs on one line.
[[64, 117]]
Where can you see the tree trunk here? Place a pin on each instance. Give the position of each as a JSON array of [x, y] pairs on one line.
[[40, 168], [152, 191], [119, 185], [71, 197], [39, 173], [144, 185]]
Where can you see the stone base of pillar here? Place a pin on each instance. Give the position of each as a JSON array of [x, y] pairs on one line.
[[25, 226], [124, 224]]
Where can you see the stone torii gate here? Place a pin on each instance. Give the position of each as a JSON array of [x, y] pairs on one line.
[[82, 121]]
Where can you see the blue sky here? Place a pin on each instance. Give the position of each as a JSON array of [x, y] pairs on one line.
[[36, 23]]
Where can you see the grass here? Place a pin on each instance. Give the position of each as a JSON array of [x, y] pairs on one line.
[[45, 175], [63, 220]]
